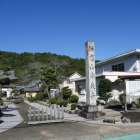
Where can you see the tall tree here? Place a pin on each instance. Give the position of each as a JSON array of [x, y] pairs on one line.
[[104, 87], [24, 78], [4, 79], [49, 77], [56, 63], [32, 73]]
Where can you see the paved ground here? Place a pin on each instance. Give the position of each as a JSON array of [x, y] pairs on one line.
[[68, 130]]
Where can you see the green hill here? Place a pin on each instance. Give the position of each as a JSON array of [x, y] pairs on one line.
[[21, 62]]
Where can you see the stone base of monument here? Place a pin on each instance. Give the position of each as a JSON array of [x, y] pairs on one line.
[[91, 112]]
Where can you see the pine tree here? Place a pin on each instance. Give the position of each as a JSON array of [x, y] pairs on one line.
[[104, 87]]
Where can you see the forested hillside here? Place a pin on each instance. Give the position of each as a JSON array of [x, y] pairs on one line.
[[28, 63]]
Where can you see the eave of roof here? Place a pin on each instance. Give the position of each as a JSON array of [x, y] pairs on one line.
[[71, 74], [129, 76], [117, 57]]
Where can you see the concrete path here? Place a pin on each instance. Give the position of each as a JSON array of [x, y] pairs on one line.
[[11, 117]]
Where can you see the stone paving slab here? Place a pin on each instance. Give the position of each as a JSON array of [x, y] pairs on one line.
[[10, 118]]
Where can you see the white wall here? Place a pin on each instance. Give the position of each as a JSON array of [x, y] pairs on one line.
[[71, 85], [130, 64], [82, 95], [8, 91]]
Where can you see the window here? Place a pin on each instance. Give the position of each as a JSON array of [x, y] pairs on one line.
[[118, 67], [79, 89], [68, 81]]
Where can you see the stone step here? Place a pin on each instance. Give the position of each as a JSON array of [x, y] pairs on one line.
[[117, 119], [110, 113]]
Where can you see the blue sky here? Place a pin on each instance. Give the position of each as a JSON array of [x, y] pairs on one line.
[[63, 26]]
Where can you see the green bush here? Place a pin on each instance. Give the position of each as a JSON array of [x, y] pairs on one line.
[[121, 99], [138, 105], [41, 95], [3, 95], [66, 92], [63, 103], [133, 104], [138, 101], [15, 94], [31, 99], [73, 106], [98, 102], [74, 99], [104, 89], [53, 100], [9, 98]]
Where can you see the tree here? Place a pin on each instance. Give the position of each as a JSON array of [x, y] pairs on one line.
[[34, 69], [104, 87], [49, 77], [66, 92], [24, 78], [57, 63], [4, 79], [32, 73]]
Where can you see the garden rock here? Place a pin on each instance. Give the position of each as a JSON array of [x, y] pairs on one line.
[[77, 111], [109, 119], [133, 116], [112, 103], [125, 120]]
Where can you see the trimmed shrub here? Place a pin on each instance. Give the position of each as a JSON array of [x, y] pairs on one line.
[[74, 99], [9, 98], [1, 101], [3, 95], [15, 94], [73, 106], [31, 99], [138, 101], [98, 102], [121, 99], [133, 104], [41, 95], [104, 89], [63, 103], [138, 105], [53, 100], [66, 92]]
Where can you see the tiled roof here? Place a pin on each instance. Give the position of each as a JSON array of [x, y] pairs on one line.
[[70, 74], [34, 83], [33, 89], [11, 75]]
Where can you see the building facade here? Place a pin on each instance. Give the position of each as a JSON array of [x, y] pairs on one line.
[[116, 69]]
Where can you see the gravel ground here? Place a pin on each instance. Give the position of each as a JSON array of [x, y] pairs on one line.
[[10, 118], [78, 129]]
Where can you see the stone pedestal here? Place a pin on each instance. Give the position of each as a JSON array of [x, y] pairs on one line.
[[91, 112]]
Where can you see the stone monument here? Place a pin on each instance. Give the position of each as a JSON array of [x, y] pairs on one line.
[[91, 110], [90, 74]]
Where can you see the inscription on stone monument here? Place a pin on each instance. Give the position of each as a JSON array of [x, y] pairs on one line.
[[90, 74]]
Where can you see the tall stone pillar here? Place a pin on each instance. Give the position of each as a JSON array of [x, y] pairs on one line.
[[90, 74], [90, 110]]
